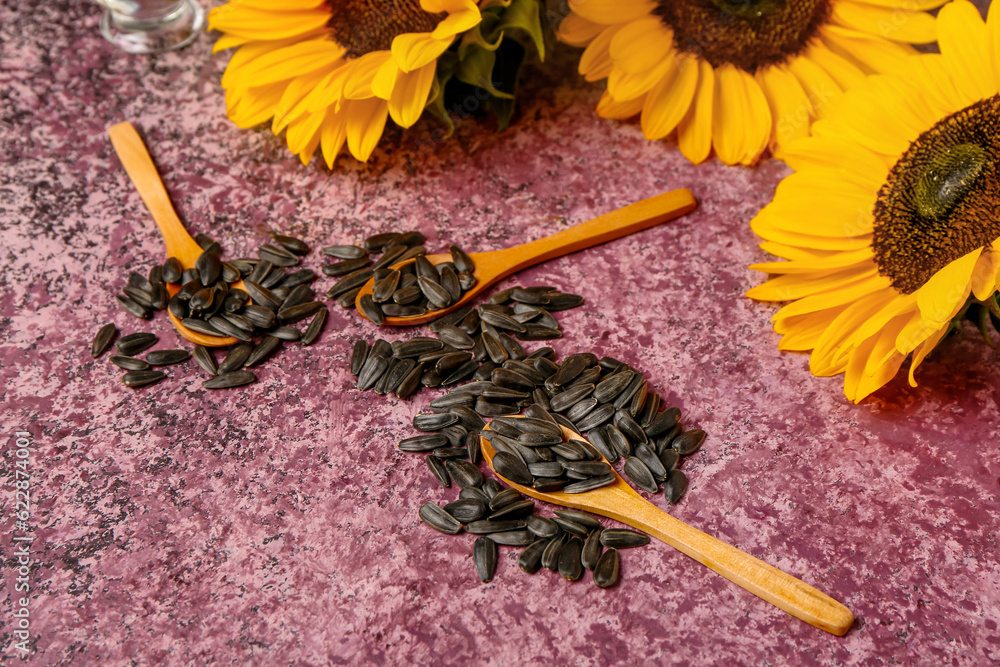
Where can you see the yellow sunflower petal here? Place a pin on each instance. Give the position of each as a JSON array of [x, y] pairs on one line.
[[286, 63], [925, 348], [694, 132], [669, 100], [578, 31], [940, 296], [466, 18], [626, 86], [609, 107], [984, 276], [993, 30], [729, 115], [758, 123], [596, 63], [838, 296], [788, 288], [791, 110], [817, 84], [247, 107], [414, 50], [332, 137], [260, 24], [871, 51], [837, 160], [836, 262], [409, 96], [641, 45], [895, 23], [963, 40], [610, 12], [358, 85], [365, 123], [841, 69]]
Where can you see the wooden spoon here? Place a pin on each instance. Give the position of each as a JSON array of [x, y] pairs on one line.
[[621, 502], [140, 168], [498, 264]]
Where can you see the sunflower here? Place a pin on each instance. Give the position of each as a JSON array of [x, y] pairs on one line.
[[890, 223], [739, 75], [331, 71]]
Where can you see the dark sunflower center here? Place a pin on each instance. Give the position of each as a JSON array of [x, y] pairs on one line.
[[363, 26], [941, 200], [746, 33]]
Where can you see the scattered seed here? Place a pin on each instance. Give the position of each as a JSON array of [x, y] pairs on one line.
[[103, 339], [227, 380], [142, 378]]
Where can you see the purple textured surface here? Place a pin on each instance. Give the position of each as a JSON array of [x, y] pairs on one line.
[[277, 524]]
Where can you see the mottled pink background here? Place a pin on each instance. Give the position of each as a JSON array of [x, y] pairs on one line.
[[278, 524]]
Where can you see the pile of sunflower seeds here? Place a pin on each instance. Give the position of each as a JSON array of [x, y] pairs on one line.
[[206, 302], [412, 290], [568, 543], [471, 343]]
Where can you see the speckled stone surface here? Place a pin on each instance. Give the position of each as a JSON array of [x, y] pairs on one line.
[[277, 524]]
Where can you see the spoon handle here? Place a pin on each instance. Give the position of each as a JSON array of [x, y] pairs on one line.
[[765, 581], [620, 222], [139, 166]]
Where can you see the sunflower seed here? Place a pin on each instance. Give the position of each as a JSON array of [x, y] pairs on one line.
[[464, 473], [241, 321], [371, 310], [530, 560], [423, 443], [269, 252], [449, 281], [688, 442], [142, 378], [262, 317], [102, 341], [299, 312], [204, 358], [236, 358], [129, 363], [487, 527], [484, 557], [589, 468], [639, 473], [623, 422], [607, 569], [516, 510], [391, 256], [468, 418], [225, 327], [466, 510], [440, 472], [599, 439], [345, 251], [172, 270], [315, 327], [135, 343], [473, 446], [358, 356], [167, 357], [439, 519], [513, 538], [501, 320], [592, 548], [133, 308], [373, 369], [209, 267], [350, 282], [589, 484], [663, 422], [262, 295], [227, 380], [623, 538], [537, 332], [385, 287], [262, 351], [504, 497], [675, 486], [463, 263], [610, 388], [407, 295], [292, 244], [435, 293], [566, 399], [550, 556], [452, 335], [189, 276], [433, 422], [570, 566], [669, 458]]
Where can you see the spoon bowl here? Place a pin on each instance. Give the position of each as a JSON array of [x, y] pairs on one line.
[[619, 501], [139, 166], [498, 264]]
